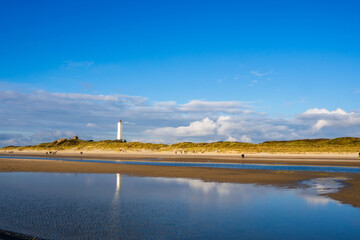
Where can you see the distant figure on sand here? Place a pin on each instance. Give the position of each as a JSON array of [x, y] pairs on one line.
[[242, 155]]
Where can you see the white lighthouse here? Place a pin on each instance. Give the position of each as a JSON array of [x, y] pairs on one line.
[[119, 131]]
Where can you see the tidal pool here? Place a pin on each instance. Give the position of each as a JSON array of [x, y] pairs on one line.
[[115, 206]]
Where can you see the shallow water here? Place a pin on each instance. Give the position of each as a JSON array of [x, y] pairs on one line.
[[154, 162], [114, 206]]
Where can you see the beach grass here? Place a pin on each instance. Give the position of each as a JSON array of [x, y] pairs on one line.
[[337, 145]]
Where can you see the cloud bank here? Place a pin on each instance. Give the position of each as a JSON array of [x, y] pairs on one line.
[[38, 116]]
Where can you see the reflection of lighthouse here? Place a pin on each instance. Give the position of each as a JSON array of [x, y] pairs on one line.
[[118, 182], [118, 186], [115, 204], [119, 131]]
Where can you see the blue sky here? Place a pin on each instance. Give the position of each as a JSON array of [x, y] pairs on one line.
[[275, 60]]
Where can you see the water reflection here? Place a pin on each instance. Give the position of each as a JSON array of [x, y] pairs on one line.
[[245, 192], [319, 186], [316, 200], [108, 206], [325, 185], [115, 218], [199, 185], [118, 186]]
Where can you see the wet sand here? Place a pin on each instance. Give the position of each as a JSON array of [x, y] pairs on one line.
[[350, 194], [8, 235], [346, 160]]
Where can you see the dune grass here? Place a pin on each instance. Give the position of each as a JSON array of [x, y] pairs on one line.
[[339, 145]]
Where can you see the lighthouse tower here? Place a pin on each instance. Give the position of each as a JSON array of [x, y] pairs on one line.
[[119, 131]]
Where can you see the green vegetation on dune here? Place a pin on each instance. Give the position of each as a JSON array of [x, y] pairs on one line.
[[345, 144]]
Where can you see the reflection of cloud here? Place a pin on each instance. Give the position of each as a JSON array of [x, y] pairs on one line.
[[198, 185], [316, 199], [324, 185], [320, 186]]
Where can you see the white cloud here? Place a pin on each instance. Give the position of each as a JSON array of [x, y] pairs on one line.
[[237, 77], [81, 96], [34, 138], [114, 98], [224, 128], [244, 128], [9, 139], [91, 125], [317, 111], [320, 124], [204, 127], [222, 106], [23, 115], [231, 139], [242, 138], [95, 116], [245, 138], [259, 74], [148, 140], [338, 118]]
